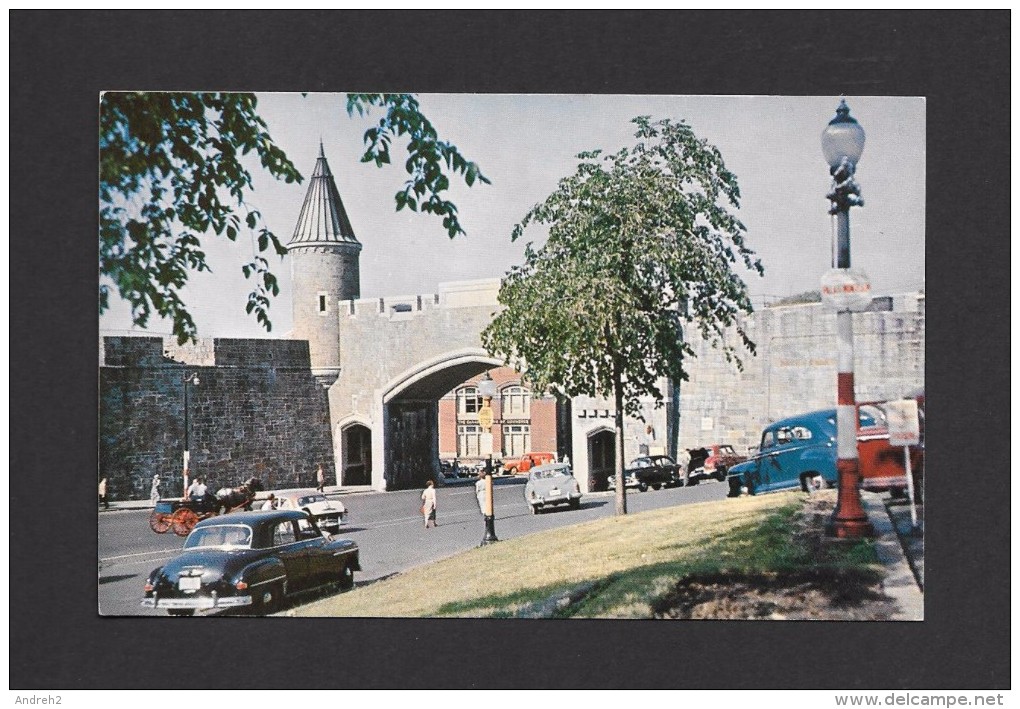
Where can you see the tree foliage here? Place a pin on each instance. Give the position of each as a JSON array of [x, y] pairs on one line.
[[426, 155], [641, 245], [172, 172]]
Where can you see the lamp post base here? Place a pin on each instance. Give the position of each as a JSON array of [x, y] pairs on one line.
[[849, 528], [490, 531]]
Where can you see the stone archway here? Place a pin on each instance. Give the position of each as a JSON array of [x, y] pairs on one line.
[[409, 445], [601, 458]]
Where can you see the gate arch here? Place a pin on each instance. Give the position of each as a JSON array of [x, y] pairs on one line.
[[408, 406], [601, 457]]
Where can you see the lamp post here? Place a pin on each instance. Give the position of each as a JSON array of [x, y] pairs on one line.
[[487, 388], [190, 380], [842, 146]]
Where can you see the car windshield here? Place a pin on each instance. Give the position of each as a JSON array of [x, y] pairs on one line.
[[640, 463], [871, 416], [309, 499], [555, 472], [726, 450], [224, 535]]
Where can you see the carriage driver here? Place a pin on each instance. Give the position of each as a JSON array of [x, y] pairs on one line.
[[200, 493]]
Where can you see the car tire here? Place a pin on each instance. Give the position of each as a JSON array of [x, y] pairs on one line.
[[643, 487], [656, 486], [261, 605], [720, 475], [346, 581], [811, 482], [734, 487], [693, 481], [513, 471], [180, 612], [575, 504], [749, 484]]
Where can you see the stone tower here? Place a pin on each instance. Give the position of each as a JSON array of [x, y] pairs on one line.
[[324, 261]]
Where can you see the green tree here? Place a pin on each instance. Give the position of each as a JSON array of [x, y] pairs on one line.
[[171, 172], [635, 239]]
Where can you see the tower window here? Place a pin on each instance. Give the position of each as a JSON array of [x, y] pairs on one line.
[[322, 303]]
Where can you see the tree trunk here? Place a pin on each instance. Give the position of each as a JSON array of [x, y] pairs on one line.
[[621, 491]]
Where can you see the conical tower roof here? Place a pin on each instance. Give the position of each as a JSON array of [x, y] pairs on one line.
[[322, 217]]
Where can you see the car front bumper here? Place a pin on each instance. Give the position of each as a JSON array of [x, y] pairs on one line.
[[555, 499], [197, 602]]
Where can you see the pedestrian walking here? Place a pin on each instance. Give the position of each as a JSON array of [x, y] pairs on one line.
[[320, 479], [480, 492], [428, 504], [154, 490], [102, 494]]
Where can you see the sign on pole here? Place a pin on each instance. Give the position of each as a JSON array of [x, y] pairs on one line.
[[485, 418], [846, 289], [905, 430]]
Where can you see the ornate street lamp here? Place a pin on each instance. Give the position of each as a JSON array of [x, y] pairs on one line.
[[189, 381], [487, 388], [842, 146]]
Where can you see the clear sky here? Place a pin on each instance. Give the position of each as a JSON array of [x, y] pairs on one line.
[[525, 143]]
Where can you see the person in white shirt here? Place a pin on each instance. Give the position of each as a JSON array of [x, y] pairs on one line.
[[270, 503]]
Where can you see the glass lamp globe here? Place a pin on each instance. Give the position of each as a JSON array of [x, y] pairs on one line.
[[843, 137], [487, 387]]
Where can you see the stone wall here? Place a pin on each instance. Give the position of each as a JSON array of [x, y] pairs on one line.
[[257, 410]]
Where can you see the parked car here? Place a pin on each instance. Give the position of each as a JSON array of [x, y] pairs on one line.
[[329, 514], [527, 461], [711, 462], [653, 471], [551, 484], [800, 451], [251, 561]]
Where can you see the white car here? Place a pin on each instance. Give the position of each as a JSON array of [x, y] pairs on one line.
[[328, 514]]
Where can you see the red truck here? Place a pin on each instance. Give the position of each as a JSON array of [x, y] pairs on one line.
[[526, 462]]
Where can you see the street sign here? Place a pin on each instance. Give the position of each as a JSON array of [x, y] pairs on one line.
[[485, 418], [904, 425], [846, 289]]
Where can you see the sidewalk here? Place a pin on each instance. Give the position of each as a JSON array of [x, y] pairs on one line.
[[898, 557], [331, 491]]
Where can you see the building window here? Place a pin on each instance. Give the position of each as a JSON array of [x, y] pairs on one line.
[[469, 401], [516, 403], [322, 303], [516, 439], [469, 441]]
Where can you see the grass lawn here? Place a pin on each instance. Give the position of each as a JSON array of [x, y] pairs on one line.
[[611, 568]]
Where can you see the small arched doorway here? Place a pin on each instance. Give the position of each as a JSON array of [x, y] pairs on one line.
[[601, 459], [356, 455]]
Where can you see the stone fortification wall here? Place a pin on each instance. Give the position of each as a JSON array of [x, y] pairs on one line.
[[256, 410]]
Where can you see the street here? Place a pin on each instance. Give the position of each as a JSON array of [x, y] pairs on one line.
[[386, 526]]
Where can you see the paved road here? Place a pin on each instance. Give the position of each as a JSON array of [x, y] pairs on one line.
[[386, 526]]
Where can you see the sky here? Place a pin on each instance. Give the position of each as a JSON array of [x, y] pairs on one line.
[[526, 143]]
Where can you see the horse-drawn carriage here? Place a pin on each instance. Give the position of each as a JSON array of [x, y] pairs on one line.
[[182, 515]]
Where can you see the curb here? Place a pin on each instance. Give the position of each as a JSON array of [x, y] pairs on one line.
[[900, 584], [147, 505]]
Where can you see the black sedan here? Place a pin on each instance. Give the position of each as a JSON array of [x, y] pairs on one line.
[[649, 471], [251, 561]]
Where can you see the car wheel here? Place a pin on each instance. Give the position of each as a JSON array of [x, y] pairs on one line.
[[811, 482], [749, 484], [269, 600], [513, 471], [346, 582], [180, 612], [734, 487], [693, 481], [535, 509], [643, 487], [575, 504], [656, 486], [720, 475]]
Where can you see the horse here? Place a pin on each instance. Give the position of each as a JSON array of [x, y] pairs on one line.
[[230, 498]]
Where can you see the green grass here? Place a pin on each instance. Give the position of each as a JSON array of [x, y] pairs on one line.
[[612, 568]]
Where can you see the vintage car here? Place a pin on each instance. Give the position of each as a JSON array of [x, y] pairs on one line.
[[800, 451], [552, 484], [329, 514], [251, 562], [711, 462], [649, 471], [527, 461]]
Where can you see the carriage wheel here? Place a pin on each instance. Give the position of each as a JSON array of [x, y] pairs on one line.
[[159, 522], [184, 521]]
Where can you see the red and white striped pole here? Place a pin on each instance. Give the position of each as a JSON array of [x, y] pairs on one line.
[[842, 145]]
